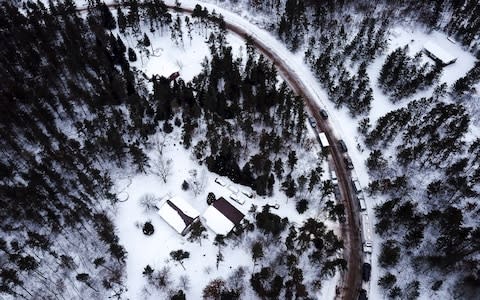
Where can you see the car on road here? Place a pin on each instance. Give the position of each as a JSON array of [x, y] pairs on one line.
[[342, 146], [324, 114], [312, 122], [348, 162]]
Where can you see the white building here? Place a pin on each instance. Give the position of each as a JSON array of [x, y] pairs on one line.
[[179, 214], [221, 216], [438, 54]]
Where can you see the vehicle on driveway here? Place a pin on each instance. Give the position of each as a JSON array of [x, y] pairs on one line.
[[237, 198], [220, 181]]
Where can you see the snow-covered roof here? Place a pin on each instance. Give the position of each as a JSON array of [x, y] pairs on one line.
[[221, 217], [439, 52], [216, 221], [178, 213]]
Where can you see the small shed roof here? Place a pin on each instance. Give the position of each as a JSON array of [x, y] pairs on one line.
[[221, 217], [439, 52], [178, 213]]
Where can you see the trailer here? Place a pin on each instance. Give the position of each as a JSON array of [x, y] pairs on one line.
[[323, 139], [366, 233], [356, 186], [361, 202]]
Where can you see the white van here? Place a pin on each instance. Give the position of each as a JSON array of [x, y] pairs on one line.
[[356, 186], [333, 176]]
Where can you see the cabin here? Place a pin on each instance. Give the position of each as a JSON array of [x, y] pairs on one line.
[[438, 54], [222, 217], [179, 214]]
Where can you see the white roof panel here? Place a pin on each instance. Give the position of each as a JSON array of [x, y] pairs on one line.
[[217, 221], [172, 217]]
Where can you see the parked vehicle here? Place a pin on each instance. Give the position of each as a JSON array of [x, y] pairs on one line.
[[323, 139], [342, 146], [348, 162], [220, 181], [232, 189], [356, 186], [247, 193], [334, 177], [366, 234], [362, 295], [237, 198], [312, 122], [362, 203], [324, 114], [366, 270]]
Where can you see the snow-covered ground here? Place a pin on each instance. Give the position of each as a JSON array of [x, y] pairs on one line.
[[344, 126], [154, 250]]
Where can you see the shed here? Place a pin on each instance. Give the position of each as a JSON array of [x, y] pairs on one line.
[[221, 216], [179, 214], [438, 54]]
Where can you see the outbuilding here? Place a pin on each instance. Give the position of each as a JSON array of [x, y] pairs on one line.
[[179, 214], [438, 54], [222, 217]]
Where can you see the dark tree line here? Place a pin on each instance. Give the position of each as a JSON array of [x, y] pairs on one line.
[[432, 222], [402, 75], [66, 88]]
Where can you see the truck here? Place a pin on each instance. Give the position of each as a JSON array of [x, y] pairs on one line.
[[361, 202], [323, 139], [366, 234], [356, 186]]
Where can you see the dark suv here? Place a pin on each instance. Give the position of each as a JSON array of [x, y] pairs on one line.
[[348, 162], [366, 271], [342, 146], [323, 113]]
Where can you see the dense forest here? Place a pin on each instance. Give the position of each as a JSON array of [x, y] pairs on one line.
[[423, 159], [75, 113]]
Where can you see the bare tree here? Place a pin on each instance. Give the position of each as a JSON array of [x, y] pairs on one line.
[[148, 202], [161, 166], [197, 182], [184, 283]]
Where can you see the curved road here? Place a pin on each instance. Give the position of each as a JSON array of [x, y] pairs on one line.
[[351, 281]]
